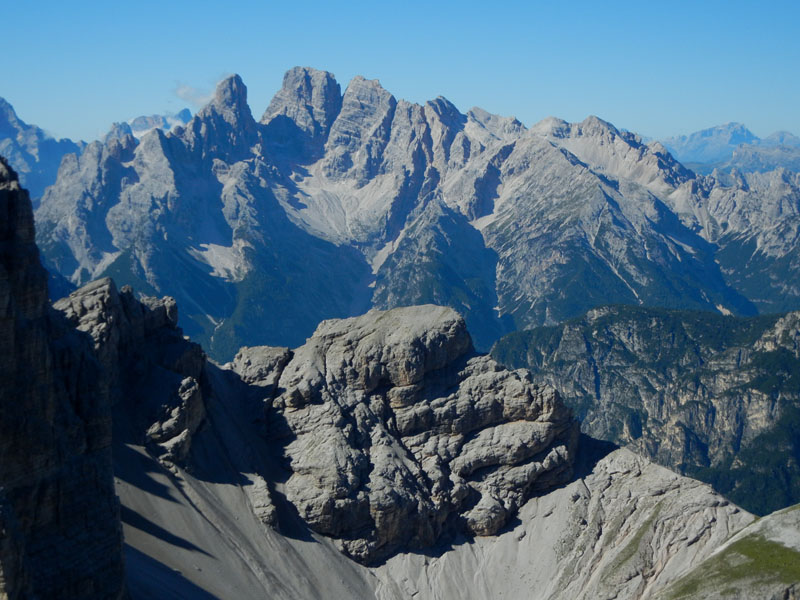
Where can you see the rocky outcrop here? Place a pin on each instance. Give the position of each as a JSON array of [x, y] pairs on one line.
[[712, 396], [60, 533], [151, 373], [395, 431]]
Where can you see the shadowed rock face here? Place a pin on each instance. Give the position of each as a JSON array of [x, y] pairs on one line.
[[59, 515], [395, 431], [150, 372]]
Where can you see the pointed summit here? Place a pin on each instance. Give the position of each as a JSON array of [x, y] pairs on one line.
[[9, 122], [446, 111], [230, 101], [118, 131], [363, 123], [225, 126]]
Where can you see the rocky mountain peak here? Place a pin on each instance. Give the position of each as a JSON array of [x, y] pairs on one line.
[[551, 127], [34, 154], [736, 133], [657, 148], [590, 127], [445, 110], [230, 99], [781, 138], [143, 124], [498, 127], [225, 127], [593, 125], [361, 131], [710, 145], [118, 131], [309, 98], [367, 95], [9, 122]]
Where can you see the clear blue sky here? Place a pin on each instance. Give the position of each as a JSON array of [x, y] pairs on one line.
[[658, 68]]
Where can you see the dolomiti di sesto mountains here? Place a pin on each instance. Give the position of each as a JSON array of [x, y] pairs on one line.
[[334, 202], [309, 411]]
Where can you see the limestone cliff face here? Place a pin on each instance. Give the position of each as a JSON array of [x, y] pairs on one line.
[[60, 535]]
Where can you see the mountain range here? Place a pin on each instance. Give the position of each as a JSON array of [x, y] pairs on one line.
[[333, 203], [135, 467]]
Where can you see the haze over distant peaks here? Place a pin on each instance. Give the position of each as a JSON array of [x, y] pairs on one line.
[[141, 125], [710, 145], [718, 147]]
